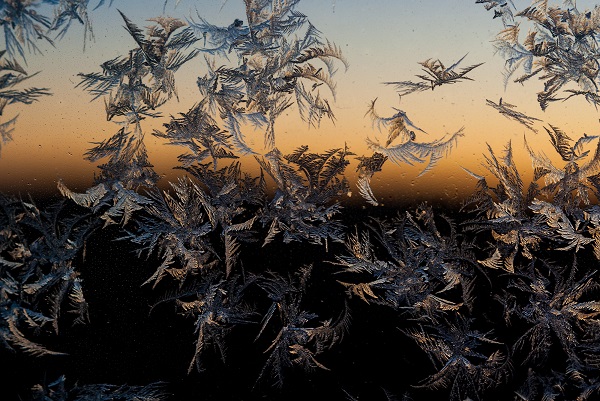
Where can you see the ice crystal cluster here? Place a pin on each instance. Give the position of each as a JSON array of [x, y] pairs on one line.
[[496, 301]]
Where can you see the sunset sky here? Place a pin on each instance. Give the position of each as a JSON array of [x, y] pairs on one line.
[[382, 40]]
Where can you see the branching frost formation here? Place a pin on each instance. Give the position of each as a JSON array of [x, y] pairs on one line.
[[134, 86], [508, 111], [24, 25], [301, 337], [445, 282], [560, 48], [437, 74], [309, 187], [400, 129], [12, 75], [281, 60], [38, 278], [58, 390]]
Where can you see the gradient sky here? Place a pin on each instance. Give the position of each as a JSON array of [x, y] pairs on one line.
[[382, 40]]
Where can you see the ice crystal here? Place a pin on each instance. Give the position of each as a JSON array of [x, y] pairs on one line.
[[59, 391], [508, 110], [523, 252], [301, 336], [437, 75], [578, 179], [561, 48], [135, 85], [279, 53], [24, 25], [409, 151], [142, 81], [453, 348], [12, 75], [309, 186], [367, 167], [502, 9], [419, 265], [37, 272], [198, 131], [556, 313]]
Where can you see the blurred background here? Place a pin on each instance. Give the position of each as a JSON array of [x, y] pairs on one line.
[[382, 41]]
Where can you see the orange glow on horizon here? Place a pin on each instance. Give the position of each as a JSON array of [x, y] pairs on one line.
[[52, 135]]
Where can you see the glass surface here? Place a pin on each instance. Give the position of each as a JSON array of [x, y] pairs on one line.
[[283, 199]]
